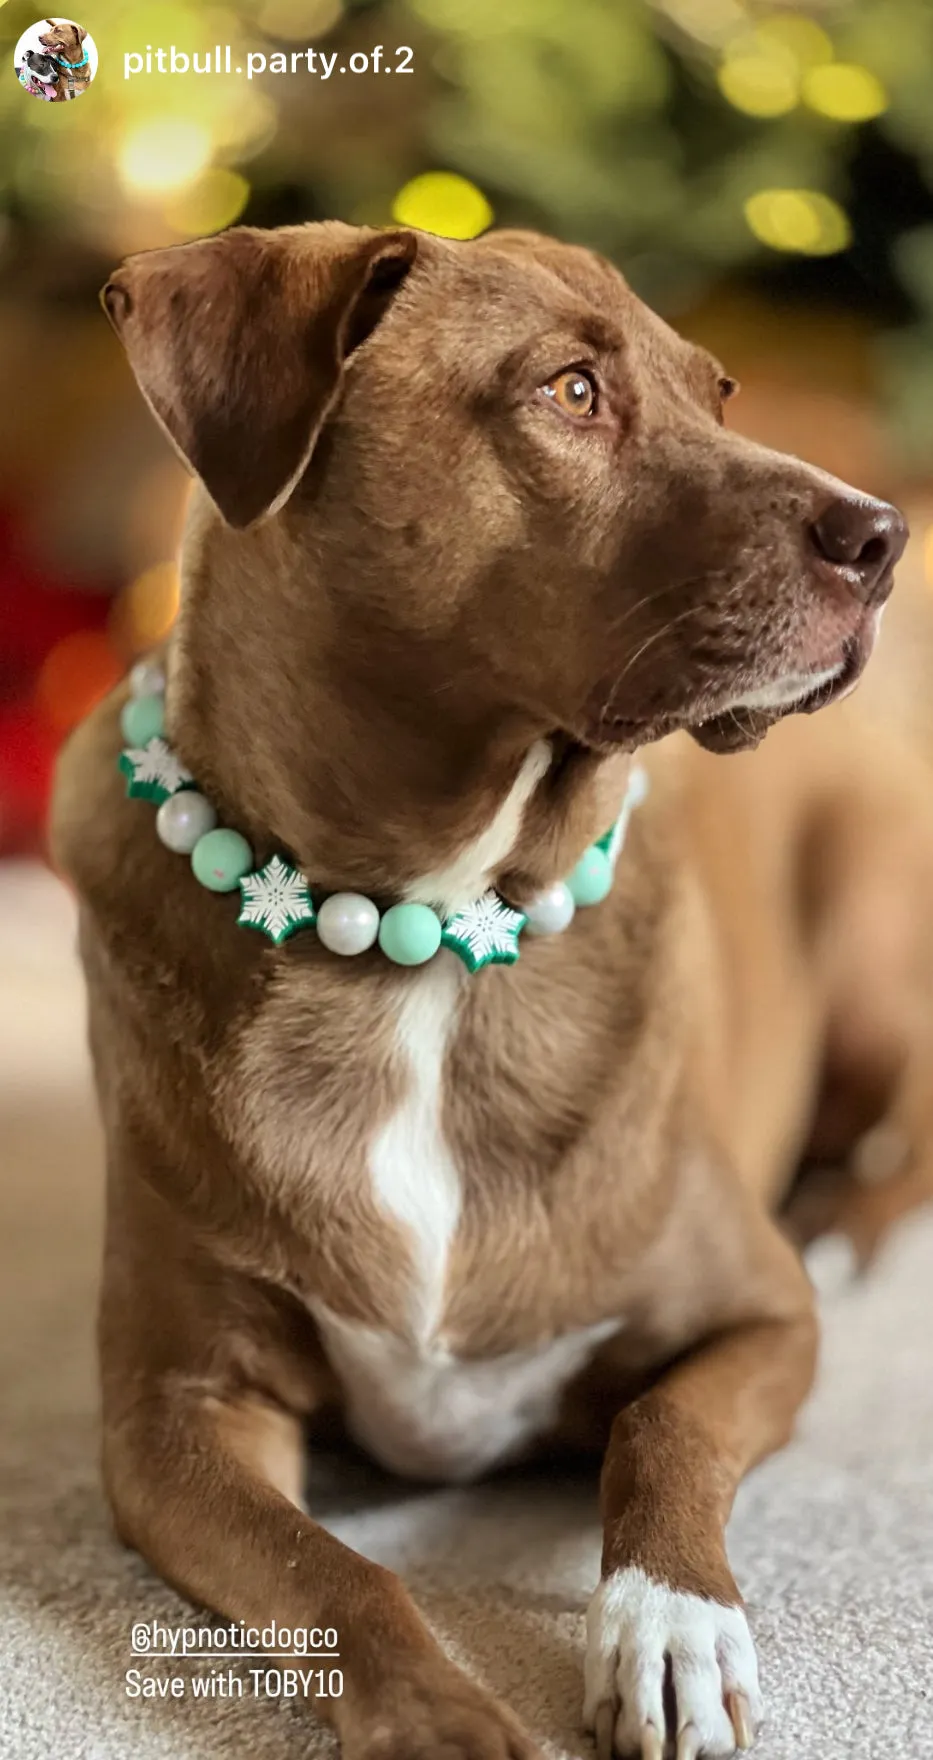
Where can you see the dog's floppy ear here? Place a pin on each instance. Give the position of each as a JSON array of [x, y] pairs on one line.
[[238, 344]]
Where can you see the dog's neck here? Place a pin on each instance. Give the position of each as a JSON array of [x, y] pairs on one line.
[[376, 774]]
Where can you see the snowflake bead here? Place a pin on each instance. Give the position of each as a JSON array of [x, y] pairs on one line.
[[276, 901], [153, 772], [484, 933]]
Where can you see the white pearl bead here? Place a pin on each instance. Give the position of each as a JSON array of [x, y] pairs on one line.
[[347, 922], [147, 678], [183, 819], [552, 911]]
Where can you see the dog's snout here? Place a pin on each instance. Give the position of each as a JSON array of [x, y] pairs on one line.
[[860, 540]]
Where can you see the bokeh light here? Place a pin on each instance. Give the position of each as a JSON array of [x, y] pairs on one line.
[[760, 76], [801, 38], [215, 200], [801, 220], [147, 608], [845, 92], [78, 671], [443, 203], [163, 153]]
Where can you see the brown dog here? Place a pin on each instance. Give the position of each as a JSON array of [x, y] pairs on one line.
[[65, 42], [469, 531]]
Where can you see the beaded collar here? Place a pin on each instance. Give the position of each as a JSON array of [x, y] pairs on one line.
[[276, 899], [72, 66]]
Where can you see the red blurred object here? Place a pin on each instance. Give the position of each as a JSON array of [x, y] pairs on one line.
[[36, 615], [27, 757]]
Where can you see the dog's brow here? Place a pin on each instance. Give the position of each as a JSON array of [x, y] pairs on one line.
[[547, 352], [602, 335]]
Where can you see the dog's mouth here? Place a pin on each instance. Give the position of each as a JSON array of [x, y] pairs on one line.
[[742, 723]]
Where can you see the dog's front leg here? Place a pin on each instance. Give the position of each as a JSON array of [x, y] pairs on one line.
[[202, 1485], [670, 1659]]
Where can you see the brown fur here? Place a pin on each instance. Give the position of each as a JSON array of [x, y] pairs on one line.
[[453, 570], [66, 42]]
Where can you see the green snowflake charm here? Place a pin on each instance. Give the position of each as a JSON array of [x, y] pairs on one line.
[[484, 933], [153, 772], [276, 901]]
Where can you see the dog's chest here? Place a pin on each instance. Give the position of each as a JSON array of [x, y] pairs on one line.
[[416, 1406], [425, 1413]]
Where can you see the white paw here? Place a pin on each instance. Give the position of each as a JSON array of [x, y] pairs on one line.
[[637, 1630]]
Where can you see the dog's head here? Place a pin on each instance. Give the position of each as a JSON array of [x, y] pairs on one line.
[[64, 35], [41, 67], [515, 477]]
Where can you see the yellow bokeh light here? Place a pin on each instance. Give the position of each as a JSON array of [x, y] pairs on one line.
[[214, 201], [164, 154], [802, 38], [760, 85], [442, 202], [146, 610], [845, 92], [801, 220]]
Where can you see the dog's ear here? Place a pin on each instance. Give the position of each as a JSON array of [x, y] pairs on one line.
[[82, 33], [238, 344]]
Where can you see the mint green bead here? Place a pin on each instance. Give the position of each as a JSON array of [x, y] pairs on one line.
[[143, 719], [591, 879], [409, 934], [220, 859]]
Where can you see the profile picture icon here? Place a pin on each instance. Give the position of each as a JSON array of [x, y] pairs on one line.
[[55, 60]]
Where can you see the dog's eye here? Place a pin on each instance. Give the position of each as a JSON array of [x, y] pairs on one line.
[[573, 391], [728, 388]]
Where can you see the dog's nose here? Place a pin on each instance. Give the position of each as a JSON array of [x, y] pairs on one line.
[[861, 540]]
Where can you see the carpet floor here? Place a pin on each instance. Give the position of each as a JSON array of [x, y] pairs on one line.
[[832, 1541]]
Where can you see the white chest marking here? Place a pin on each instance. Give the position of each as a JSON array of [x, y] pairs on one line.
[[416, 1407], [472, 871], [412, 1170], [430, 1415], [413, 1173]]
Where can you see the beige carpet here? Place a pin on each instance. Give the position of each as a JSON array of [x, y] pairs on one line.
[[833, 1542]]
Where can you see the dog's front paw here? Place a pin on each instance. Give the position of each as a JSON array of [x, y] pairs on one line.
[[667, 1671], [447, 1718]]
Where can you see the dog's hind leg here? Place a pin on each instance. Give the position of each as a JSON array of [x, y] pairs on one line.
[[868, 910]]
